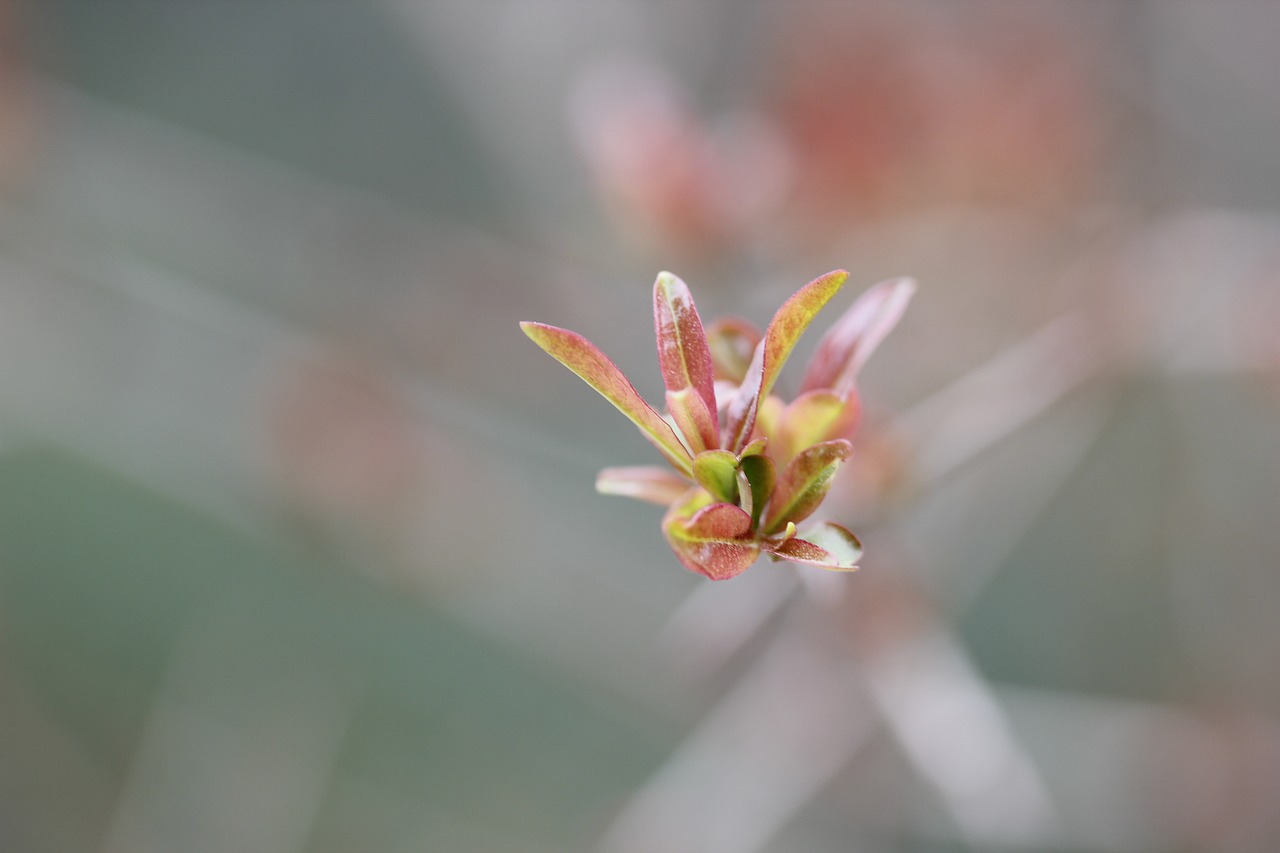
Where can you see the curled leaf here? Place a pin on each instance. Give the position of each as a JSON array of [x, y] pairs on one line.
[[716, 471], [713, 540], [685, 361], [642, 482], [594, 367], [695, 422], [827, 545], [804, 483]]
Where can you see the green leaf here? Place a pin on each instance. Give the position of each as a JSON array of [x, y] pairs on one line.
[[716, 471], [712, 540], [594, 367], [784, 331], [849, 343], [828, 545], [761, 474], [642, 482], [685, 361], [811, 418], [804, 483]]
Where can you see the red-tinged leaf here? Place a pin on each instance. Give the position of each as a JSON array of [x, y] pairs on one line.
[[594, 367], [789, 323], [812, 418], [755, 448], [698, 424], [827, 545], [685, 360], [732, 341], [760, 474], [847, 346], [780, 338], [714, 540], [740, 417], [716, 471], [804, 483], [642, 482]]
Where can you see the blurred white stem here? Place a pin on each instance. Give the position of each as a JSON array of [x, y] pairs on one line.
[[998, 398], [770, 745], [958, 739]]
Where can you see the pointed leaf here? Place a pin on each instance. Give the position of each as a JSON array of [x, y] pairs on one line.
[[642, 482], [732, 341], [761, 474], [594, 367], [827, 545], [716, 471], [779, 340], [685, 360], [804, 483], [811, 418], [697, 423], [755, 448], [713, 540], [740, 417], [850, 342]]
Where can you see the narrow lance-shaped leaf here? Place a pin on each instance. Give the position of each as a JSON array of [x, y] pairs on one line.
[[827, 545], [594, 367], [642, 482], [849, 343], [685, 360], [784, 331], [804, 483], [713, 540]]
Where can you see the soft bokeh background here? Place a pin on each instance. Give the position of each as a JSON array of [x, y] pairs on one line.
[[298, 544]]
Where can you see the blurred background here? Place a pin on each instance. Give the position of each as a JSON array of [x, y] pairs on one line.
[[299, 548]]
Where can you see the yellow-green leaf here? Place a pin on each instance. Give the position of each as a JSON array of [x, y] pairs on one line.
[[849, 343], [594, 367], [716, 471], [780, 338], [804, 483], [812, 418]]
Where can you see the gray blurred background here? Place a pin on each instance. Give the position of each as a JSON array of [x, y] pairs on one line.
[[299, 549]]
